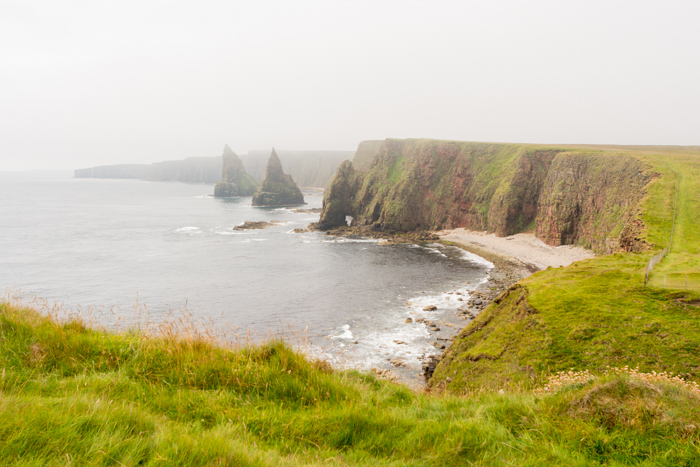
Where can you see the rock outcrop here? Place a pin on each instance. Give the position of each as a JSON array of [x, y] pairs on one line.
[[565, 195], [235, 181], [309, 168], [278, 188]]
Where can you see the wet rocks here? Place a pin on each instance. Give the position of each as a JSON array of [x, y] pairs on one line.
[[430, 308], [278, 188], [429, 365], [256, 225], [408, 320]]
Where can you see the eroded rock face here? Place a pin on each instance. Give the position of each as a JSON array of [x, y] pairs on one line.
[[365, 153], [338, 201], [585, 198], [278, 188], [566, 196], [235, 180]]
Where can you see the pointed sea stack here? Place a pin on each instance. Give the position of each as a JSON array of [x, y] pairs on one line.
[[235, 180], [278, 188]]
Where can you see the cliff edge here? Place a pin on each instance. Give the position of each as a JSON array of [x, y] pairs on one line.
[[565, 195]]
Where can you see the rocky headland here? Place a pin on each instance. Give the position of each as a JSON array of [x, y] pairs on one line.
[[309, 168], [565, 195], [278, 188], [235, 180]]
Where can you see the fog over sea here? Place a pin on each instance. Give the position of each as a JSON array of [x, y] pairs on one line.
[[110, 244]]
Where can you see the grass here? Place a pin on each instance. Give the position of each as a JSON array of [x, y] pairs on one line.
[[71, 395], [597, 312], [683, 262]]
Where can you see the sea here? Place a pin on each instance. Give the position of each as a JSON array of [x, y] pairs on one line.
[[163, 255]]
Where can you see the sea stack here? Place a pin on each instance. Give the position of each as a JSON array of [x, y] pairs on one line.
[[235, 180], [278, 188]]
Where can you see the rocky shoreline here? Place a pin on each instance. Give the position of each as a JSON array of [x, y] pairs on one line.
[[506, 272]]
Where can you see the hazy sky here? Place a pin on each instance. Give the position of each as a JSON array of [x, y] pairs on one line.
[[85, 83]]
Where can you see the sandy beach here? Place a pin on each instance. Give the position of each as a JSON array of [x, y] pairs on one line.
[[523, 247]]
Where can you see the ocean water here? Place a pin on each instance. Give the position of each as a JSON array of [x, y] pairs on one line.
[[124, 246]]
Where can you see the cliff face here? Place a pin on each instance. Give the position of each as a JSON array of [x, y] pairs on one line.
[[278, 188], [308, 168], [592, 198], [138, 171], [191, 170], [567, 197], [235, 180], [365, 153]]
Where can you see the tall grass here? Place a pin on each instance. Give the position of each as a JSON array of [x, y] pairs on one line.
[[72, 395]]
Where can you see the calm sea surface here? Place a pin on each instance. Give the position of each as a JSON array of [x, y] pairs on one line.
[[112, 244]]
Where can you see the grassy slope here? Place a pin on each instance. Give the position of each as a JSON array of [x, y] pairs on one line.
[[595, 312], [684, 260], [73, 396]]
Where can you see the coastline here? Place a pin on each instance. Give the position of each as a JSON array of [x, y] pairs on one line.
[[514, 258]]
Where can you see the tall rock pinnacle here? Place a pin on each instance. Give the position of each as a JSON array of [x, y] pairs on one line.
[[235, 180], [278, 188]]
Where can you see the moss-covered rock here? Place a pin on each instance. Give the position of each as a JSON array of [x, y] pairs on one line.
[[235, 180], [567, 195], [278, 188]]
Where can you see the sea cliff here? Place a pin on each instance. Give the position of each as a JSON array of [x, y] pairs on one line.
[[138, 171], [190, 170], [564, 195], [309, 168]]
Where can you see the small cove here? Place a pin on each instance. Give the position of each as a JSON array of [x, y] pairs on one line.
[[110, 244]]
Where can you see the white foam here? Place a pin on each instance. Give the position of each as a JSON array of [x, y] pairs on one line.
[[230, 232], [352, 240], [436, 251], [477, 259], [347, 333], [250, 240]]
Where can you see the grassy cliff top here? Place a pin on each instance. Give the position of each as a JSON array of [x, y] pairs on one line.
[[70, 395], [598, 312]]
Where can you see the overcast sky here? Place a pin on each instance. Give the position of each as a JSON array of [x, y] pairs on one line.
[[85, 83]]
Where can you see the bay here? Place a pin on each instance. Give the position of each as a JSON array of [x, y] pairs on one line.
[[132, 250]]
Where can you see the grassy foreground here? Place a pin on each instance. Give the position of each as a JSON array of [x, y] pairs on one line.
[[70, 395]]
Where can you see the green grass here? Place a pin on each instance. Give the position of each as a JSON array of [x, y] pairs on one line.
[[70, 395], [683, 262], [597, 312]]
